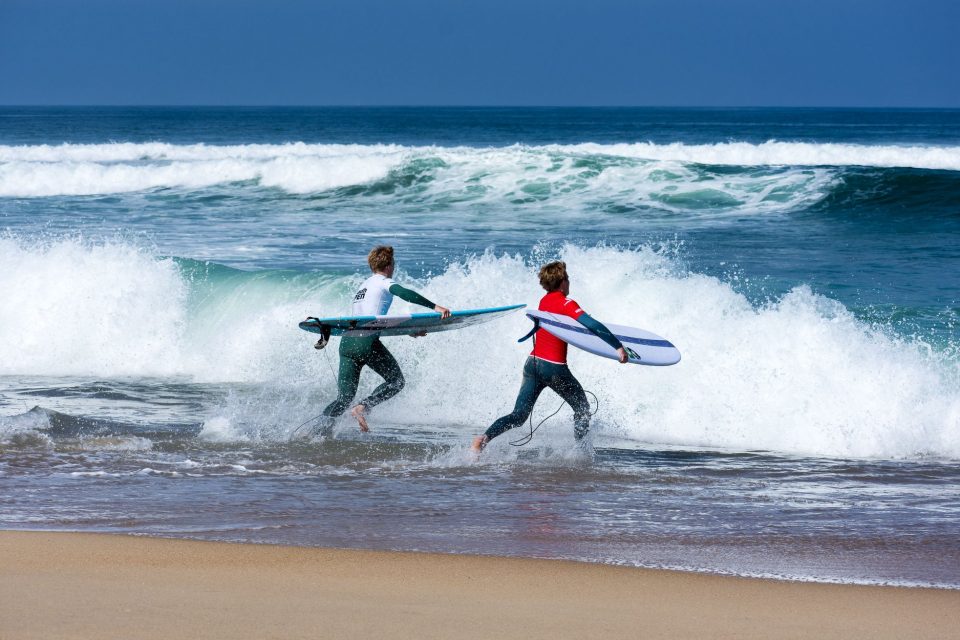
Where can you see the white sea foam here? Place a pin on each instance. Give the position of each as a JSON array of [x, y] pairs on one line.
[[218, 429], [802, 154], [650, 172], [800, 374], [70, 308], [97, 170], [567, 178], [164, 152], [115, 443]]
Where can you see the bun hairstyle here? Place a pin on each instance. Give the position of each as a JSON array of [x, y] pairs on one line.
[[552, 275], [380, 257]]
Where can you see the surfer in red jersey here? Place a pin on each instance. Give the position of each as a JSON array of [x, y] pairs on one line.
[[547, 364]]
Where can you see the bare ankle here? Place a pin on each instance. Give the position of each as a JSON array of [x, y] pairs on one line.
[[359, 412]]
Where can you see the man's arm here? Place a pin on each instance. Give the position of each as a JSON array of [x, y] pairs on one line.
[[415, 298], [598, 329]]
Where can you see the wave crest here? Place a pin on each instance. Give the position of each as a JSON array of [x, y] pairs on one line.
[[725, 176]]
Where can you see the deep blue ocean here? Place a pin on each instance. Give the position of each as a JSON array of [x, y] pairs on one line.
[[154, 263]]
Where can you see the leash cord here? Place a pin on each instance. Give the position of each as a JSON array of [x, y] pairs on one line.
[[293, 434]]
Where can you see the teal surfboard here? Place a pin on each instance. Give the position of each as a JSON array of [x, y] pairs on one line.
[[404, 324]]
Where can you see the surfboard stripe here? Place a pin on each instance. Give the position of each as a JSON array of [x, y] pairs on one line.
[[624, 339]]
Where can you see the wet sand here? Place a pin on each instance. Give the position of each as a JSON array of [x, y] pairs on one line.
[[71, 585]]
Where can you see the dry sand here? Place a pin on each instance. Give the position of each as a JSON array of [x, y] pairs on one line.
[[66, 585]]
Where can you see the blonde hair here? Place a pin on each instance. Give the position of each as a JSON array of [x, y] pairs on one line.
[[552, 275], [380, 257]]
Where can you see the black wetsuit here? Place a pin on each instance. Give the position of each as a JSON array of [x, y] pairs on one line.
[[539, 374]]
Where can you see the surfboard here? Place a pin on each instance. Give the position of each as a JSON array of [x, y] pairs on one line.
[[642, 346], [403, 324]]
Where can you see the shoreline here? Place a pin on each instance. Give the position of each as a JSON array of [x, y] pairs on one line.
[[93, 585]]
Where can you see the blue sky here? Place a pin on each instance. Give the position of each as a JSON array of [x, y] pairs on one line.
[[483, 52]]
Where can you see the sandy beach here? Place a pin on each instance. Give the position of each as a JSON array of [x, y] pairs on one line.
[[70, 585]]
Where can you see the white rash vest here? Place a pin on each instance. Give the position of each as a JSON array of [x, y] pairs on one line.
[[373, 298]]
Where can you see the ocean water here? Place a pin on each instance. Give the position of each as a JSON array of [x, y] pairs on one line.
[[154, 263]]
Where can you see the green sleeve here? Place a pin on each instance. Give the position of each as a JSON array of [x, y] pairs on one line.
[[410, 296], [600, 331]]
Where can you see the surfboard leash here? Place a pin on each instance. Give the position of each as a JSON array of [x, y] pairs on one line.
[[333, 373], [525, 440]]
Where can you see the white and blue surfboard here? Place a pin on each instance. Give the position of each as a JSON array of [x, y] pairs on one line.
[[642, 346], [403, 324]]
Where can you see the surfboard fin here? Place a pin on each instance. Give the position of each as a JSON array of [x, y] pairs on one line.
[[536, 326]]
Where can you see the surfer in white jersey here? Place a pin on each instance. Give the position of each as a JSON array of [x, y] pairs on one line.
[[372, 298]]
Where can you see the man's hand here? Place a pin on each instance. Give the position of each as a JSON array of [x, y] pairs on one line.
[[622, 353], [444, 312]]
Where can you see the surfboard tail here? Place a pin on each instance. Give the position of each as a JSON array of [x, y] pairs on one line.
[[324, 332]]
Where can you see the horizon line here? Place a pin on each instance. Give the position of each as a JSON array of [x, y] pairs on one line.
[[463, 106]]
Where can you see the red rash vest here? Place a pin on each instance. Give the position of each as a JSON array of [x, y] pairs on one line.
[[549, 347]]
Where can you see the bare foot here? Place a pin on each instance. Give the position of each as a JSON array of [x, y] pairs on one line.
[[359, 412], [479, 443]]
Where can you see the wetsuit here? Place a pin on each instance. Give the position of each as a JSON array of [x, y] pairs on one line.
[[374, 297], [547, 367]]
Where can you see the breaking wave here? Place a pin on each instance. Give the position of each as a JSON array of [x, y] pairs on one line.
[[725, 176], [798, 374]]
